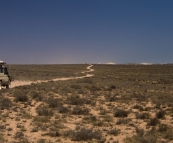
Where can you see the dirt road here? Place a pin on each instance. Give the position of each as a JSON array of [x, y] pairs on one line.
[[21, 83]]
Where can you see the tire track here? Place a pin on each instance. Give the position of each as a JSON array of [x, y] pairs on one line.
[[22, 83]]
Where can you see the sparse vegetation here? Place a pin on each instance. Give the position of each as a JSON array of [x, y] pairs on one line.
[[121, 103]]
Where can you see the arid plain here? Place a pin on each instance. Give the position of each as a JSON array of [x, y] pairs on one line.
[[84, 103]]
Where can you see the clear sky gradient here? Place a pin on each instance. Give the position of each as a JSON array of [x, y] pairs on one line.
[[86, 31]]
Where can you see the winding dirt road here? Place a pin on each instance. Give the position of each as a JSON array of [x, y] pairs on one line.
[[21, 83]]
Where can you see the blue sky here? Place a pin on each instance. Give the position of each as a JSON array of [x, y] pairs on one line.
[[86, 31]]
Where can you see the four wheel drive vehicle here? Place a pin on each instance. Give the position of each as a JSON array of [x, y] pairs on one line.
[[5, 78]]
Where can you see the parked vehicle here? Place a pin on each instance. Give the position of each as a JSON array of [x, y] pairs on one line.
[[5, 78]]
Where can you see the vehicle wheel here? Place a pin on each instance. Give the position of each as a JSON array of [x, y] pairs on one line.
[[8, 86], [0, 85]]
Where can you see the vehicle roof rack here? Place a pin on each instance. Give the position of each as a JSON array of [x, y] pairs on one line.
[[2, 63]]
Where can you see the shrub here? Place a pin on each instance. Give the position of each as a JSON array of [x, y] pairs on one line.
[[19, 135], [41, 119], [99, 123], [86, 134], [63, 109], [113, 98], [76, 100], [53, 103], [108, 118], [94, 88], [169, 134], [112, 87], [2, 127], [37, 96], [160, 114], [163, 128], [54, 133], [138, 107], [76, 86], [103, 111], [153, 122], [148, 137], [114, 132], [123, 121], [45, 112], [5, 103], [41, 141], [87, 80], [2, 137], [139, 139], [20, 96], [120, 113], [89, 119], [142, 115], [80, 111]]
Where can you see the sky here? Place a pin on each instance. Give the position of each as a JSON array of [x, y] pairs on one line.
[[86, 31]]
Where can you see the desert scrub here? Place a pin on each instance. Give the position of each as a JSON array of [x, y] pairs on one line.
[[41, 119], [84, 134], [19, 135], [41, 141], [78, 110], [44, 72], [123, 121], [144, 115], [114, 132], [153, 122], [120, 113], [77, 100], [94, 88], [43, 111], [160, 114], [139, 107], [112, 98], [26, 115], [63, 109], [89, 119], [20, 95], [103, 111], [168, 134], [107, 118], [57, 124], [2, 127], [5, 103], [36, 96], [93, 120], [54, 102], [2, 137], [54, 133], [76, 86], [147, 138], [85, 80]]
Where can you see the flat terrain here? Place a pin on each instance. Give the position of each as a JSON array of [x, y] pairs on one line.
[[119, 104]]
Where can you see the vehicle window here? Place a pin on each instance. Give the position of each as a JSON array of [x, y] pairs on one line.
[[5, 71], [1, 71]]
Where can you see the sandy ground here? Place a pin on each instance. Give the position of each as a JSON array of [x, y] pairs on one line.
[[21, 83], [14, 123]]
